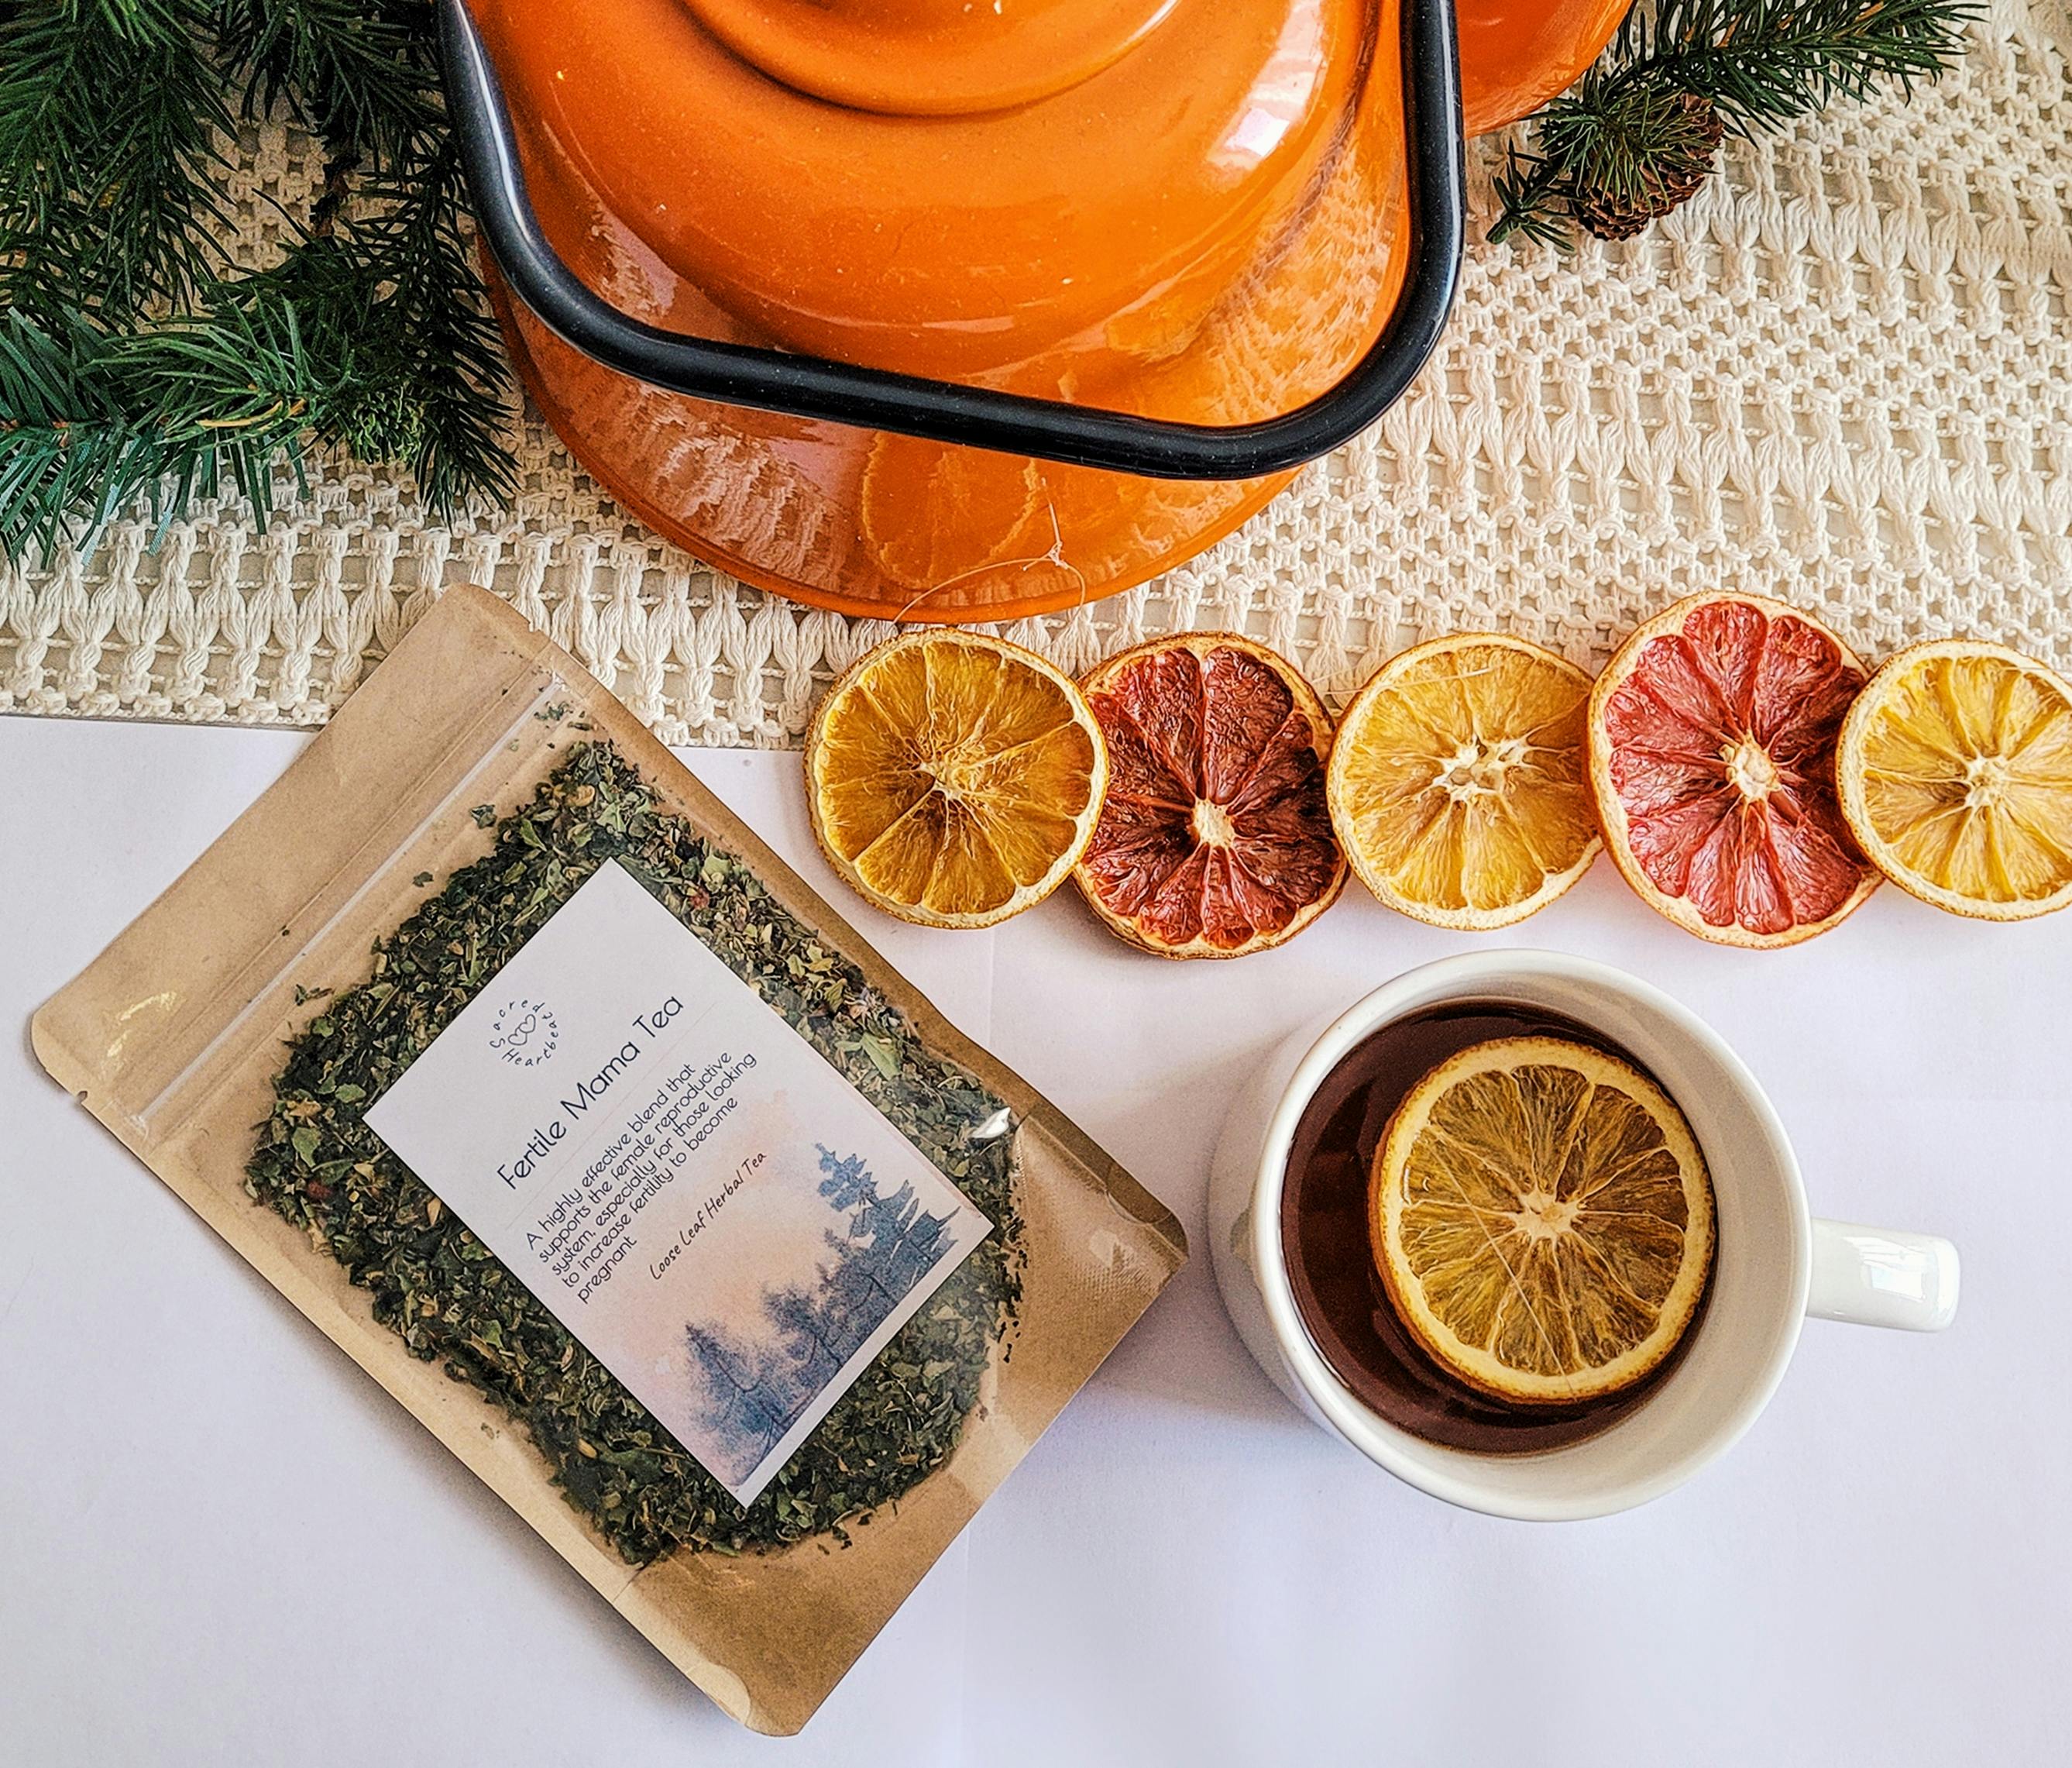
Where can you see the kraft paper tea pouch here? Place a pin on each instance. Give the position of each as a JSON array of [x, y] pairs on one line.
[[593, 1133]]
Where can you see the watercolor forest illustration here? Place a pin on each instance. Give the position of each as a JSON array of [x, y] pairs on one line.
[[753, 1385]]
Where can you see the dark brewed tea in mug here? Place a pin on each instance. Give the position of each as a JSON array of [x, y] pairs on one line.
[[1331, 1269]]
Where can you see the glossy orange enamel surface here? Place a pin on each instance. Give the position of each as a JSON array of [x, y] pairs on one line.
[[918, 57], [959, 245], [1190, 209], [1515, 54]]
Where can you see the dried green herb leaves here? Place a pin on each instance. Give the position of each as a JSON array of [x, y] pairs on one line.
[[438, 1286]]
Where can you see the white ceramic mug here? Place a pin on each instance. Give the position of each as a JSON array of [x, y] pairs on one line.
[[1775, 1263]]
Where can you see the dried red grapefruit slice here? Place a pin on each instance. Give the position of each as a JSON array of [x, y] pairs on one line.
[[1215, 838], [1712, 738]]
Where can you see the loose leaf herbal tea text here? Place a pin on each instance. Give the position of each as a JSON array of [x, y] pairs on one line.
[[438, 1286]]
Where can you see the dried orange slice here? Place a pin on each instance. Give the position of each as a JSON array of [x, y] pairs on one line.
[[1542, 1219], [1458, 783], [1712, 735], [954, 779], [1215, 839], [1955, 771]]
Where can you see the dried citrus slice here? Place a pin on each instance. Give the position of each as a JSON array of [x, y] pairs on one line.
[[1458, 783], [1215, 839], [1542, 1220], [1956, 779], [953, 778], [1712, 735]]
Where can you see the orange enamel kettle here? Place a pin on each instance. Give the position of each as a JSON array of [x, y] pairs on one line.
[[966, 309]]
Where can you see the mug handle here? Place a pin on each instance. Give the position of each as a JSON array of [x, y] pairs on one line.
[[1881, 1276]]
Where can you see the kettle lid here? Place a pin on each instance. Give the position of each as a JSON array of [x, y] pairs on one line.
[[931, 57]]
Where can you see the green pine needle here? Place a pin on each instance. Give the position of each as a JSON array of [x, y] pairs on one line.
[[360, 77], [1623, 130], [98, 421], [1764, 62]]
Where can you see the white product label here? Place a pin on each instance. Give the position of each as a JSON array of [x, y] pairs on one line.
[[700, 1197]]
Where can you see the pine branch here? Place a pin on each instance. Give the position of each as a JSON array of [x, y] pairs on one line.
[[109, 117], [360, 77], [438, 330], [97, 419], [370, 334], [332, 345], [386, 275], [1528, 193], [1764, 62], [1638, 133]]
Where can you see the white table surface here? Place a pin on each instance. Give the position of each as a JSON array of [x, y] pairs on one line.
[[221, 1543]]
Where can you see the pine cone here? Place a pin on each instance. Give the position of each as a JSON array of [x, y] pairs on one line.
[[1613, 220], [1670, 180]]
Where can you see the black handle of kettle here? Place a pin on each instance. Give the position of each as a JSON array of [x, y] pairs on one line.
[[945, 411]]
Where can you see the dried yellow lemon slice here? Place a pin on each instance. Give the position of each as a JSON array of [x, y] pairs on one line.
[[1459, 784], [954, 779], [1542, 1220], [1955, 774]]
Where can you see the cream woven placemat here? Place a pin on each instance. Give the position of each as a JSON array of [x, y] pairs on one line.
[[1842, 376]]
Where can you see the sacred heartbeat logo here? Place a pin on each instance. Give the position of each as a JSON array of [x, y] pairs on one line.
[[525, 1033]]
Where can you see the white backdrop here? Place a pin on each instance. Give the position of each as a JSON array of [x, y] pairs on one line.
[[220, 1544]]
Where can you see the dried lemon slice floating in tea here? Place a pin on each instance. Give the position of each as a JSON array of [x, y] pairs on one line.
[[1955, 769], [1542, 1220], [1459, 785], [954, 779]]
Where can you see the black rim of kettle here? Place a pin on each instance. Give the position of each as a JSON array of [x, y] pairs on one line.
[[809, 386]]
